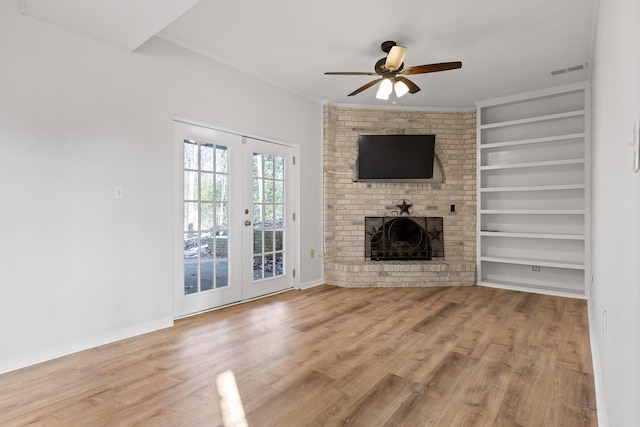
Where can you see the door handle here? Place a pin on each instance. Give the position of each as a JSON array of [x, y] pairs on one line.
[[247, 222]]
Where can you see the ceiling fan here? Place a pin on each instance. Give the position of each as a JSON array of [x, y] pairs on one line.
[[392, 72]]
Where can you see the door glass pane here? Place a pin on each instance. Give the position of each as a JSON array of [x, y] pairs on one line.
[[279, 270], [257, 190], [278, 195], [206, 216], [257, 241], [191, 247], [279, 167], [279, 237], [222, 187], [268, 265], [206, 157], [268, 165], [221, 159], [279, 215], [206, 276], [190, 278], [257, 267], [257, 165], [222, 273], [222, 216], [190, 155], [268, 190], [222, 249], [190, 185], [257, 215], [191, 222], [206, 186], [268, 215], [207, 247], [268, 241]]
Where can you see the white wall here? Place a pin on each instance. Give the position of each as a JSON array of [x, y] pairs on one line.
[[616, 208], [77, 267]]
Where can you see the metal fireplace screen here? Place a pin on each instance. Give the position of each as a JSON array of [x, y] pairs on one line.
[[403, 238]]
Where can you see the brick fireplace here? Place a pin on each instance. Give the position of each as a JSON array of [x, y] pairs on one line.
[[451, 196]]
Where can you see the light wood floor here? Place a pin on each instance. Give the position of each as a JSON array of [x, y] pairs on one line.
[[331, 356]]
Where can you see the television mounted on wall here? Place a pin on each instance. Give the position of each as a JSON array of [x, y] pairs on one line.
[[399, 158]]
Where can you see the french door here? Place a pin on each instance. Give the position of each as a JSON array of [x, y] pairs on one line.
[[237, 234]]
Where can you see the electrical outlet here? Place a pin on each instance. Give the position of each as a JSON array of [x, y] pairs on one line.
[[535, 268], [313, 253], [604, 322]]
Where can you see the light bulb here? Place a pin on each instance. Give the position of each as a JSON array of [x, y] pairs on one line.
[[401, 88], [382, 94], [385, 89]]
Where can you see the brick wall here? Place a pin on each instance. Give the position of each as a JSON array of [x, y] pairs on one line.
[[347, 202]]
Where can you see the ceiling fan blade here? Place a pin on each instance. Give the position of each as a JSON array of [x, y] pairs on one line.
[[350, 73], [413, 88], [367, 86], [432, 68], [395, 58]]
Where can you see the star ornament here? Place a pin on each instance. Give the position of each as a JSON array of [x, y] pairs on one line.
[[404, 207]]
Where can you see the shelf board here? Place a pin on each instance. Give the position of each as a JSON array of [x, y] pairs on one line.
[[533, 235], [538, 288], [541, 263], [533, 119], [532, 212], [555, 138], [533, 164], [534, 188]]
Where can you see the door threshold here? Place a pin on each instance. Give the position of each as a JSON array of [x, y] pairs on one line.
[[231, 304]]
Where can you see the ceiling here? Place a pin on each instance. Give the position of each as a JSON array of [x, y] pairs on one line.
[[506, 46]]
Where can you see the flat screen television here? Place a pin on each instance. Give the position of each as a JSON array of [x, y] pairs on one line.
[[395, 157]]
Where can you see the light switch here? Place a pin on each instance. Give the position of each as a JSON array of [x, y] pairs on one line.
[[636, 146]]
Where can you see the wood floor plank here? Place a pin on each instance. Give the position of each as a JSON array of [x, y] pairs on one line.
[[330, 356], [300, 388], [575, 394], [478, 400], [477, 336], [380, 402], [430, 401], [574, 352]]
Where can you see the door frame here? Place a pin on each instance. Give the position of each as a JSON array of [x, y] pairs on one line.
[[178, 192]]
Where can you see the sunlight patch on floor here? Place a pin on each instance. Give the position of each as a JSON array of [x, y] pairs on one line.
[[230, 401]]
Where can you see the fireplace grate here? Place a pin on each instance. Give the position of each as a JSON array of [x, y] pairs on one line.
[[404, 238]]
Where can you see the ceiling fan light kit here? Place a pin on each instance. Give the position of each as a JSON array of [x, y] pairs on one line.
[[385, 89], [391, 72], [401, 88]]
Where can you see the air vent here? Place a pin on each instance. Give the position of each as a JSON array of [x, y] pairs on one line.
[[568, 70]]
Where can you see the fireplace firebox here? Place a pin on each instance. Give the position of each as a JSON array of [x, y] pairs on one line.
[[404, 238]]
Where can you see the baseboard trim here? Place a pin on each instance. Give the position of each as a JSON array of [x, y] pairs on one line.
[[74, 347], [601, 407], [311, 284]]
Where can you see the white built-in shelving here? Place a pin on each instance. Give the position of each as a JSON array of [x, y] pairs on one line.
[[533, 191]]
